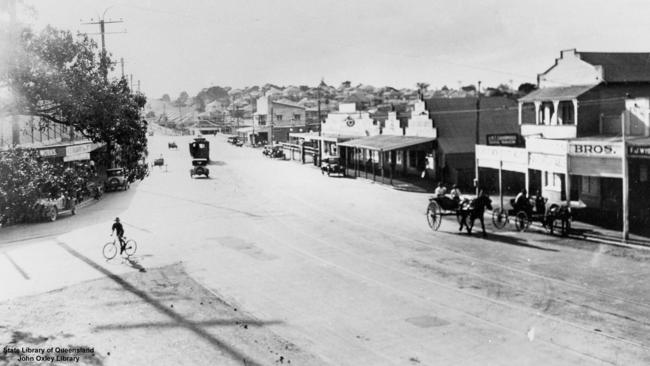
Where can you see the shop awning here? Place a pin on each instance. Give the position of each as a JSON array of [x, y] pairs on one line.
[[557, 93], [387, 142]]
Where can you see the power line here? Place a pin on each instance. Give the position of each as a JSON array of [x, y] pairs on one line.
[[102, 22]]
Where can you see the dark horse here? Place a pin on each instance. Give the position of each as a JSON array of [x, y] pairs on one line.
[[473, 210]]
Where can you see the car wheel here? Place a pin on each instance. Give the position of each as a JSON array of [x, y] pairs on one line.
[[52, 213]]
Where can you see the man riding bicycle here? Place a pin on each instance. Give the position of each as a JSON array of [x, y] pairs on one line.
[[119, 231]]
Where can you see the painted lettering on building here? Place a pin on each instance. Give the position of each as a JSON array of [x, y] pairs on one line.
[[594, 149], [639, 151]]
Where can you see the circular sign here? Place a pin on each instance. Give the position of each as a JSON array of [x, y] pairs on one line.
[[349, 121]]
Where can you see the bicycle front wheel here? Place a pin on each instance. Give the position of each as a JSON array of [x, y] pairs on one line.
[[110, 250], [130, 247]]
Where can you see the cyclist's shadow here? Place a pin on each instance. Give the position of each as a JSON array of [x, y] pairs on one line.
[[134, 263]]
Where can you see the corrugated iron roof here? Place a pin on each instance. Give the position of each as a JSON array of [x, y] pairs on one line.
[[555, 93], [387, 142], [621, 66]]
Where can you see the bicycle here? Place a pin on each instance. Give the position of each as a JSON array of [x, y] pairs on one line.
[[112, 247]]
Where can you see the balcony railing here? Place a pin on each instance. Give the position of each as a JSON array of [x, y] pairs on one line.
[[550, 131]]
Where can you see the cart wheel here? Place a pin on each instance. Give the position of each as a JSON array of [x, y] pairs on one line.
[[521, 221], [499, 217], [434, 216]]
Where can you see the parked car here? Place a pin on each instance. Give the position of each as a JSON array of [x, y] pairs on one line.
[[116, 179], [49, 209], [199, 167], [172, 145], [273, 152], [332, 165]]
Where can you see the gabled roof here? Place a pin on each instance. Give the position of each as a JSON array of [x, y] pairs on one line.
[[620, 66], [288, 103]]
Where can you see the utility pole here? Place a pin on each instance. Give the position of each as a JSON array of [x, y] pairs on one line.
[[478, 120], [101, 21], [138, 86], [626, 181], [122, 65]]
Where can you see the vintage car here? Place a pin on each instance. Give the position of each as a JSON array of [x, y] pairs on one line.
[[172, 145], [236, 141], [159, 161], [116, 179], [332, 165], [199, 167], [49, 209], [273, 152]]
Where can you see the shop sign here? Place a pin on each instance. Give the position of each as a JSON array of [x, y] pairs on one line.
[[554, 163], [546, 146], [78, 149], [77, 157], [643, 151], [510, 139], [501, 153], [51, 153], [601, 149]]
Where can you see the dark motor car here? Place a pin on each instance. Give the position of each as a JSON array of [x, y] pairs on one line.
[[199, 167], [116, 179], [332, 165]]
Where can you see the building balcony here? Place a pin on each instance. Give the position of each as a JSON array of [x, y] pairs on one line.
[[549, 131]]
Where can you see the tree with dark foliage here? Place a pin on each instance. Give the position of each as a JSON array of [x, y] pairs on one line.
[[60, 78]]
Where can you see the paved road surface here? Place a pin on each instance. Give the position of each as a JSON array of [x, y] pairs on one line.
[[345, 271]]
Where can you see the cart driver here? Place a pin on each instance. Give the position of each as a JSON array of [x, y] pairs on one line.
[[440, 190], [521, 202], [119, 231]]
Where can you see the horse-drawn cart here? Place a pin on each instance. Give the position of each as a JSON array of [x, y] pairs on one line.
[[558, 217], [445, 206]]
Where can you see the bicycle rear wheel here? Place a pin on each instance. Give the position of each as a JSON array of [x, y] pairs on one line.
[[130, 247], [109, 250]]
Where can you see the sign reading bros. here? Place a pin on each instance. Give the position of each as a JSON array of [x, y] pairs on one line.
[[595, 149]]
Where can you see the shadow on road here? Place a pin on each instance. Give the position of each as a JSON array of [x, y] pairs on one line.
[[497, 238], [176, 319]]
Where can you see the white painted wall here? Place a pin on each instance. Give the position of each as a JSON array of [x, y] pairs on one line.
[[571, 70]]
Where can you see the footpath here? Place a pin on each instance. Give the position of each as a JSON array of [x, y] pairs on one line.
[[579, 230]]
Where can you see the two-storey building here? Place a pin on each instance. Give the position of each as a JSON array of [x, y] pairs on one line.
[[275, 119], [575, 148]]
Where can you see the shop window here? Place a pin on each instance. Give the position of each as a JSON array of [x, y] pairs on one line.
[[590, 185]]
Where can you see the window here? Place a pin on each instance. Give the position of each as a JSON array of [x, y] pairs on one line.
[[278, 117], [296, 117], [262, 120], [591, 185]]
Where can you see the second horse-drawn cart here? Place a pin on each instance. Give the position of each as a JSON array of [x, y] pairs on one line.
[[553, 217]]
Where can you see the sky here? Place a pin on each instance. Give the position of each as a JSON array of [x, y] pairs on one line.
[[174, 46]]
